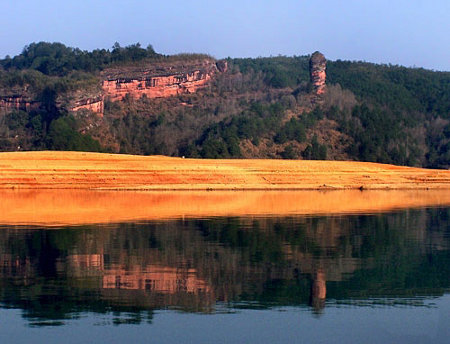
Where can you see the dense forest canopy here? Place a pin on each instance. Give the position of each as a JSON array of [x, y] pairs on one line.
[[57, 59], [258, 108]]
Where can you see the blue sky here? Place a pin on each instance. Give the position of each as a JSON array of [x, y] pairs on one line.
[[405, 32]]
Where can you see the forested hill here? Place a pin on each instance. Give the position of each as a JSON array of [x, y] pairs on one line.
[[134, 100]]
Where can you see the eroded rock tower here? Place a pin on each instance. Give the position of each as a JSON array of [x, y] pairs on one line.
[[317, 72]]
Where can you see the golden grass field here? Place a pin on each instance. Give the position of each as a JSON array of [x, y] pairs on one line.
[[99, 171]]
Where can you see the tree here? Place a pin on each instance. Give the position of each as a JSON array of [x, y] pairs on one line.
[[315, 151], [289, 153]]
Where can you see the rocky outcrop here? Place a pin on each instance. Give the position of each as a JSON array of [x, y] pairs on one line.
[[17, 102], [317, 70]]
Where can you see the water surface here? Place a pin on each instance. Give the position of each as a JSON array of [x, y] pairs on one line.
[[80, 207], [377, 278]]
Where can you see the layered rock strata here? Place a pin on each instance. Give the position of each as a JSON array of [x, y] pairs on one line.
[[155, 87], [158, 81]]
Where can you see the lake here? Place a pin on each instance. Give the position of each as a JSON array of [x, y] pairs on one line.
[[225, 268]]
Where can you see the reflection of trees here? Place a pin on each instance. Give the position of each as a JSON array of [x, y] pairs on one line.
[[194, 263]]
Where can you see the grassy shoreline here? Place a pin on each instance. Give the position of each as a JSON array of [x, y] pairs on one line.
[[100, 171]]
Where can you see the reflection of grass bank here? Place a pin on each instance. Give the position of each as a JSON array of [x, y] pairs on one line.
[[77, 170], [75, 207]]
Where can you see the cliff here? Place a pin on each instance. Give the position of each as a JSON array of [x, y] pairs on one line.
[[157, 80], [17, 102]]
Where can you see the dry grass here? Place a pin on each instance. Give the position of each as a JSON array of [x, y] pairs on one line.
[[78, 170]]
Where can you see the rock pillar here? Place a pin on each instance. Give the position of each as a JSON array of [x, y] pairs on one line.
[[317, 71]]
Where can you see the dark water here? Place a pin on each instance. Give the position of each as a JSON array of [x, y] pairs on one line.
[[356, 278]]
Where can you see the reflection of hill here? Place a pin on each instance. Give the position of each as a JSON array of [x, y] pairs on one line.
[[191, 264]]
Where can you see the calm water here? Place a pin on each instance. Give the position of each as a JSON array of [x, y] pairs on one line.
[[375, 278]]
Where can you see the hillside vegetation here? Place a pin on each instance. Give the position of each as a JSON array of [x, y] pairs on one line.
[[258, 108]]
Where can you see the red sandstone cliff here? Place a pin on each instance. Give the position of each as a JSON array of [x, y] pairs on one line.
[[17, 102], [159, 80]]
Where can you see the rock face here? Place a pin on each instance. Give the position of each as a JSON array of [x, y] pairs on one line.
[[95, 105], [155, 87], [160, 81], [17, 102], [317, 70]]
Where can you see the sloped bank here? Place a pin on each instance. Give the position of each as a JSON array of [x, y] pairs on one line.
[[81, 170]]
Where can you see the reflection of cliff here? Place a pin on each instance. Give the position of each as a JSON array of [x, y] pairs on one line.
[[155, 278], [14, 265], [85, 261]]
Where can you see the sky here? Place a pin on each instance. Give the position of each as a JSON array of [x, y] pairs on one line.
[[412, 33]]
